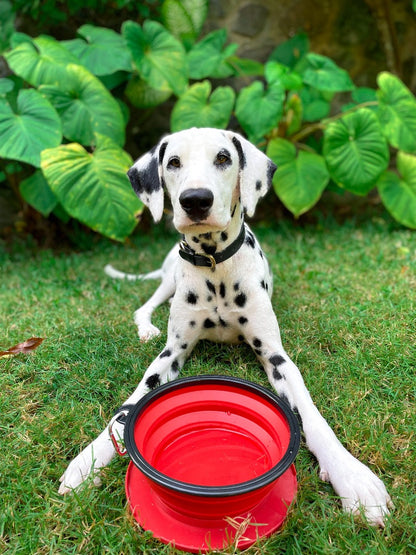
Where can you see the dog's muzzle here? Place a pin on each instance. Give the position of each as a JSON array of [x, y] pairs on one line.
[[196, 203]]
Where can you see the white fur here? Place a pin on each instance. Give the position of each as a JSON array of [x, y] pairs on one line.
[[230, 303]]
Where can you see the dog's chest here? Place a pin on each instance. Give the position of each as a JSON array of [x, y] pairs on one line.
[[220, 302]]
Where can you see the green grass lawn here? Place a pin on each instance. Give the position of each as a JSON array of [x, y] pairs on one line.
[[345, 296]]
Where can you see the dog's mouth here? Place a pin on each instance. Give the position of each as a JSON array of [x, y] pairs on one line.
[[199, 228]]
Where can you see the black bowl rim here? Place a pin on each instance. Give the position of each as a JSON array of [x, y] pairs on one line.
[[212, 491]]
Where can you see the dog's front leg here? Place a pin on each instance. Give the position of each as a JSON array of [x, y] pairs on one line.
[[358, 487], [142, 317], [100, 452]]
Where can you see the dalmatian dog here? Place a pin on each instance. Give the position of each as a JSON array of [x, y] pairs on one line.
[[221, 286]]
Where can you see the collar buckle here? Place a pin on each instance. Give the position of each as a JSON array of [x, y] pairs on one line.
[[212, 263]]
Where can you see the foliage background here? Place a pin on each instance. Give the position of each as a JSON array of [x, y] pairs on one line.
[[153, 78]]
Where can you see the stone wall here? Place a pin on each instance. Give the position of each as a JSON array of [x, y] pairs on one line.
[[363, 37]]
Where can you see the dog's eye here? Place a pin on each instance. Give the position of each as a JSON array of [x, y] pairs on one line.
[[174, 163], [222, 158]]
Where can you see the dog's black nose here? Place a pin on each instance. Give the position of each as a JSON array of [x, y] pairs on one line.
[[197, 203]]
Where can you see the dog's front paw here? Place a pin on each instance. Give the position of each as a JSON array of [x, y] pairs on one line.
[[88, 463], [78, 470], [148, 332], [360, 490], [145, 329]]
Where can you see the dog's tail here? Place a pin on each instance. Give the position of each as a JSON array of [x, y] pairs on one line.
[[113, 273]]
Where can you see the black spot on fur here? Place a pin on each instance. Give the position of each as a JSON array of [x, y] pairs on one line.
[[240, 152], [243, 320], [249, 240], [192, 323], [175, 366], [209, 323], [222, 290], [236, 286], [256, 342], [277, 375], [145, 181], [162, 151], [258, 185], [166, 353], [277, 360], [153, 381], [223, 323], [184, 346], [192, 298], [195, 239], [258, 352], [241, 337], [298, 416], [271, 168], [209, 249], [224, 236], [240, 300], [211, 286]]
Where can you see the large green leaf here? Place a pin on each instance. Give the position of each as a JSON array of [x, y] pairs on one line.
[[208, 57], [86, 107], [399, 194], [101, 50], [41, 61], [323, 74], [199, 108], [356, 151], [6, 86], [28, 128], [141, 95], [316, 104], [397, 112], [290, 80], [184, 18], [94, 188], [259, 110], [299, 179], [36, 191], [159, 57], [290, 52]]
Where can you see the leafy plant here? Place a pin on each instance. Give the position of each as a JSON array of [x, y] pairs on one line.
[[65, 109]]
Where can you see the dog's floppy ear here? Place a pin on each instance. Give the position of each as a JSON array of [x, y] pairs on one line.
[[146, 180], [256, 172]]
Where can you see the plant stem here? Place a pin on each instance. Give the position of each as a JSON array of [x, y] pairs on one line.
[[308, 130]]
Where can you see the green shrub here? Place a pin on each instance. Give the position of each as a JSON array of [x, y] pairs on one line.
[[63, 118]]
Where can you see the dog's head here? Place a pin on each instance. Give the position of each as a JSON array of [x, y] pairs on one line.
[[205, 172]]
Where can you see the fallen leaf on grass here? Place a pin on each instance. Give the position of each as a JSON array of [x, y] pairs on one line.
[[26, 347]]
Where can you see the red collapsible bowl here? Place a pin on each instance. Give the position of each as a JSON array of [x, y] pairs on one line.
[[211, 457]]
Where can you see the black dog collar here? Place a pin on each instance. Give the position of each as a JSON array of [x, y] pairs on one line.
[[211, 260]]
